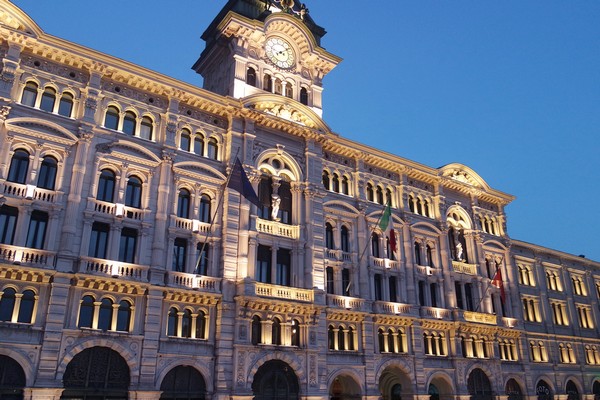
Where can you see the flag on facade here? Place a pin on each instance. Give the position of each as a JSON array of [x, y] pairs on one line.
[[386, 224], [497, 281], [239, 182]]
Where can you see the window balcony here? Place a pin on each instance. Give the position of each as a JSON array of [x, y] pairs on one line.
[[386, 307], [115, 209], [339, 255], [115, 269], [26, 256], [347, 303], [30, 192], [464, 268], [384, 262], [192, 281], [427, 270], [190, 225], [436, 312], [277, 228]]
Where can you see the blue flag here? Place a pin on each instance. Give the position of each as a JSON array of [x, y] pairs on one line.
[[239, 182]]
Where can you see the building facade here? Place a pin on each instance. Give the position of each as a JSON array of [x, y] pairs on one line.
[[130, 267]]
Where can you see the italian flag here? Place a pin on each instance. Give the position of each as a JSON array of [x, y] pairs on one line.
[[386, 224]]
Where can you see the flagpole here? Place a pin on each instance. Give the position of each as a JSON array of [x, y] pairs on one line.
[[360, 257], [487, 290], [214, 217]]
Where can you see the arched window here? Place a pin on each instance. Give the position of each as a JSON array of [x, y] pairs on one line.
[[201, 325], [172, 322], [65, 106], [183, 383], [285, 207], [381, 340], [19, 165], [429, 256], [105, 315], [183, 203], [295, 333], [213, 148], [331, 337], [146, 128], [111, 119], [48, 99], [304, 96], [326, 182], [289, 91], [267, 83], [251, 76], [370, 192], [418, 253], [276, 332], [380, 195], [351, 339], [375, 245], [7, 304], [186, 324], [124, 316], [256, 330], [184, 140], [390, 337], [133, 194], [47, 174], [129, 123], [199, 145], [12, 379], [30, 92], [205, 208], [329, 236], [341, 339], [336, 183], [345, 185], [26, 307], [106, 186], [86, 312], [345, 239], [388, 197], [278, 86]]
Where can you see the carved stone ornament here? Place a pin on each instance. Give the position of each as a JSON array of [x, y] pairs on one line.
[[286, 112]]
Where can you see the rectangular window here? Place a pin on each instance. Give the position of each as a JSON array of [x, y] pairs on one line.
[[8, 223], [283, 267], [458, 292], [469, 296], [179, 255], [263, 264], [202, 259], [330, 281], [433, 292], [346, 282], [422, 301], [128, 245], [378, 287], [37, 230], [99, 240], [393, 283]]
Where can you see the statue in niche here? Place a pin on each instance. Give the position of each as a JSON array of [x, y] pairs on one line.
[[275, 201], [459, 252]]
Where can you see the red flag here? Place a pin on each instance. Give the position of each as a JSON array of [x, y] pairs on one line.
[[386, 223], [497, 281]]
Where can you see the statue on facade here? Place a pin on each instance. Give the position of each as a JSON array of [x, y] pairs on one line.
[[459, 252], [275, 201]]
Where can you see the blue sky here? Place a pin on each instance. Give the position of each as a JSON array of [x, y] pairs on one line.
[[510, 89]]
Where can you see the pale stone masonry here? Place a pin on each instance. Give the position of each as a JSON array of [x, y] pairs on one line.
[[128, 268]]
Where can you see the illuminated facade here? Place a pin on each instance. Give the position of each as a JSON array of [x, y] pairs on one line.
[[128, 268]]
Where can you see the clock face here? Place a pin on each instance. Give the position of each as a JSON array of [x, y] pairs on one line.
[[280, 53]]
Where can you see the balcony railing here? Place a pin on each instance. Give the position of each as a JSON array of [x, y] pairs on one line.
[[277, 228], [191, 281], [345, 302], [384, 262], [427, 270], [435, 312], [116, 209], [191, 225], [30, 192], [464, 268], [27, 256], [283, 292], [101, 267], [385, 307], [339, 255]]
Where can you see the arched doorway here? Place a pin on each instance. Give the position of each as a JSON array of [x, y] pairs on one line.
[[433, 392], [572, 391], [543, 391], [97, 373], [344, 387], [275, 380], [183, 383], [596, 390], [479, 385], [12, 379], [513, 390], [394, 384], [440, 388]]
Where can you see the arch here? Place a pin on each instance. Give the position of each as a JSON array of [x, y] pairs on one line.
[[12, 378], [275, 380], [543, 390], [345, 385], [572, 389], [463, 221], [97, 371], [289, 359], [440, 386], [395, 382], [479, 385], [513, 390], [290, 166], [48, 127], [183, 382]]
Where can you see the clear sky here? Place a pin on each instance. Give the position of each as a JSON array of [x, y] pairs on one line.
[[509, 88]]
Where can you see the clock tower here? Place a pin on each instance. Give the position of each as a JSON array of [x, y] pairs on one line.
[[260, 47]]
